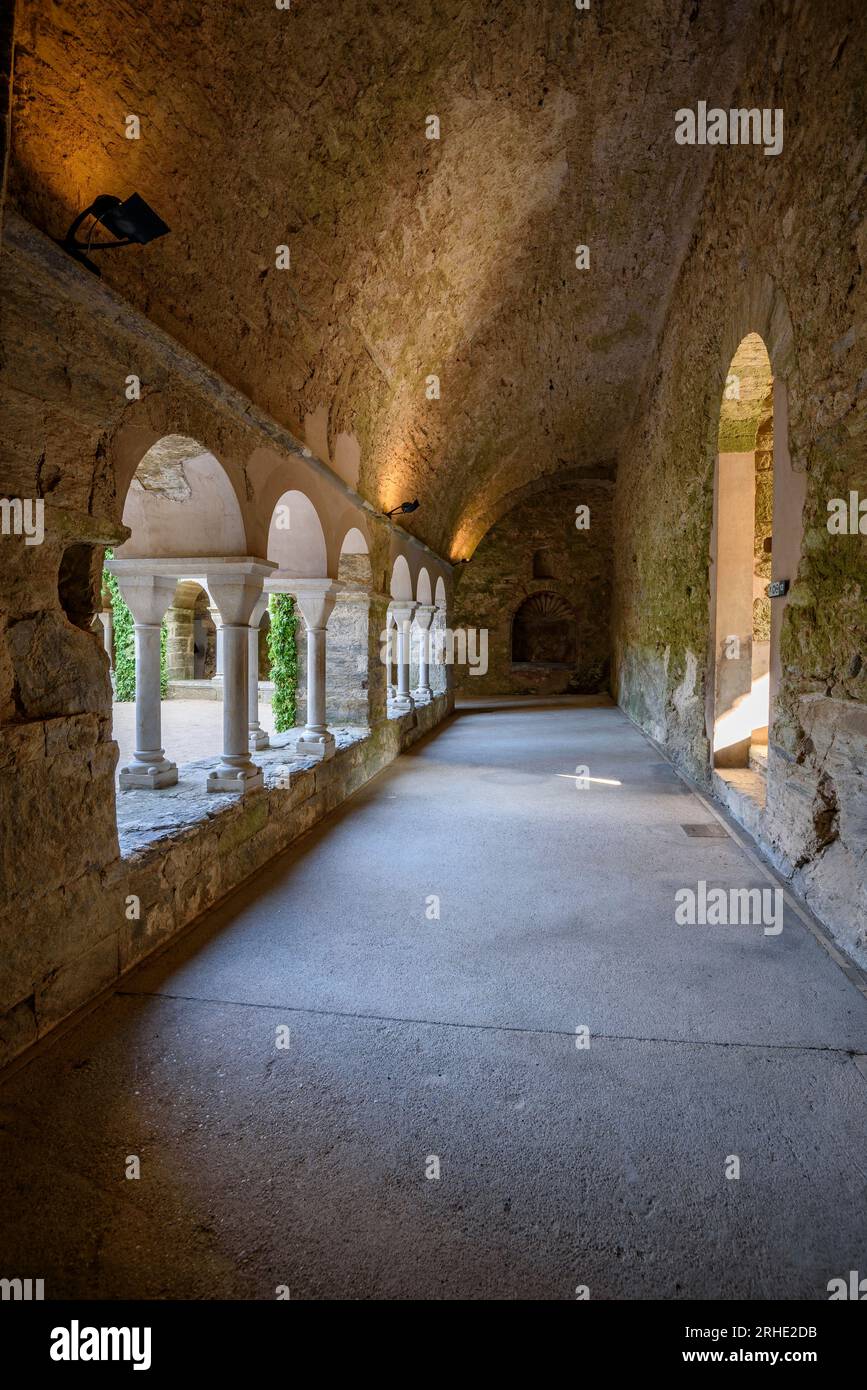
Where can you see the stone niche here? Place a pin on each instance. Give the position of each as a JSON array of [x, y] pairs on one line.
[[540, 587], [544, 632]]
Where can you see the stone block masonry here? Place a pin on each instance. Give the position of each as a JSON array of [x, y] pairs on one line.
[[537, 549]]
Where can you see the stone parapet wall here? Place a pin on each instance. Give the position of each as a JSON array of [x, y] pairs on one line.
[[62, 949]]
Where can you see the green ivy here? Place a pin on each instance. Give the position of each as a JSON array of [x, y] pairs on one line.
[[124, 644], [283, 655]]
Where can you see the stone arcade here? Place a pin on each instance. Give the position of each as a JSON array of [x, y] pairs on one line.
[[523, 347]]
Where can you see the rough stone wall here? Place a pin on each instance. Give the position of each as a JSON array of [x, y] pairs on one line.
[[499, 577], [780, 249]]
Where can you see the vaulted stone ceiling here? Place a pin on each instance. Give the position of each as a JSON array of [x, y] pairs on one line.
[[409, 256]]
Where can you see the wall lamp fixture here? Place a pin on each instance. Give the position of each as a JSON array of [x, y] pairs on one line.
[[131, 221], [404, 507]]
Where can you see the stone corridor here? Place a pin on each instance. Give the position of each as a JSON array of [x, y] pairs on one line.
[[414, 1037], [433, 664]]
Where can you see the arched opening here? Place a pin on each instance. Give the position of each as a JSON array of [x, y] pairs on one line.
[[204, 638], [743, 545], [191, 639], [401, 579], [264, 654], [543, 632], [181, 504], [296, 541], [347, 694], [296, 544]]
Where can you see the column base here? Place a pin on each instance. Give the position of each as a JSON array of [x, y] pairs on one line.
[[235, 779], [422, 697], [258, 740], [312, 745], [404, 703], [151, 777]]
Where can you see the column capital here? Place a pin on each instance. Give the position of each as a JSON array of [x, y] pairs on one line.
[[315, 600], [236, 589], [238, 576], [258, 612], [424, 614], [146, 595], [402, 609]]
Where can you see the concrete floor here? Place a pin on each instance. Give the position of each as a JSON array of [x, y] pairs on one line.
[[455, 1037]]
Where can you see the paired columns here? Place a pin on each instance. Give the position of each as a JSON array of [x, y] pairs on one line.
[[406, 614], [236, 589], [235, 586], [147, 596]]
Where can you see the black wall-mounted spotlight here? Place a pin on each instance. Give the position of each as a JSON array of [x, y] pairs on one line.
[[404, 507], [132, 221]]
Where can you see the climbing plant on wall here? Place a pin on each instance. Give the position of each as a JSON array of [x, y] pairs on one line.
[[284, 660], [124, 643]]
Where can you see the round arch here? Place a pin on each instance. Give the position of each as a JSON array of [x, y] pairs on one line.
[[296, 540], [401, 586], [353, 565], [181, 501], [423, 590]]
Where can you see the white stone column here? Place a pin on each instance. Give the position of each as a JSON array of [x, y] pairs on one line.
[[258, 736], [423, 618], [390, 642], [315, 601], [107, 616], [403, 611], [236, 589], [147, 596], [217, 677]]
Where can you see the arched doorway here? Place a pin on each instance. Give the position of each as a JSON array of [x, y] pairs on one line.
[[742, 558]]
